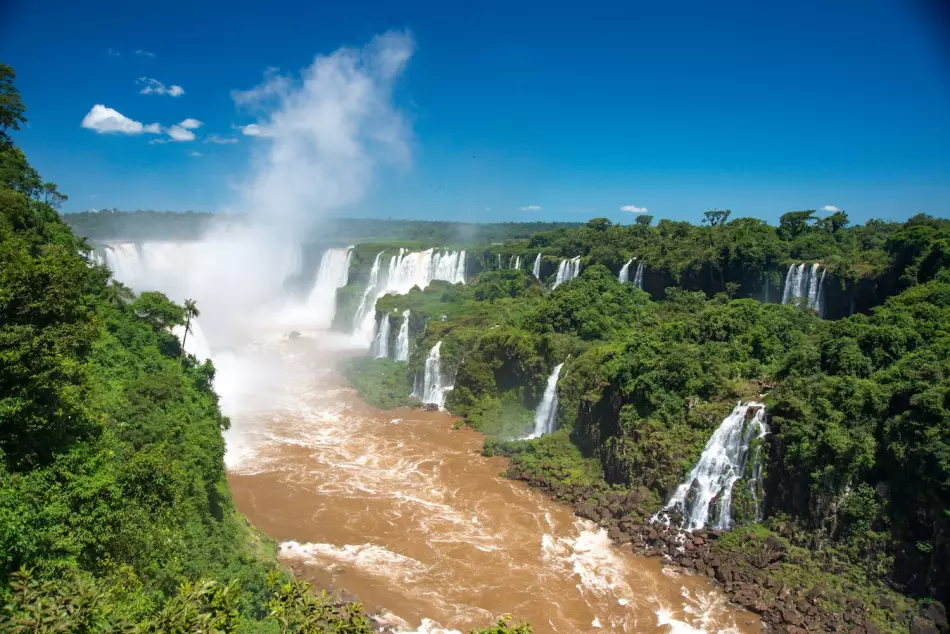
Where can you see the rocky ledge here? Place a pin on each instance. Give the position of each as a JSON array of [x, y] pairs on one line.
[[748, 577]]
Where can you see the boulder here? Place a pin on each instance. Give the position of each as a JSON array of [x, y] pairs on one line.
[[936, 613], [921, 625]]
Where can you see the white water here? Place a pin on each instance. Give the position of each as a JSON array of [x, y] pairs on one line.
[[536, 267], [624, 276], [381, 341], [545, 416], [638, 276], [431, 391], [332, 274], [567, 270], [516, 262], [363, 320], [723, 461], [803, 282], [402, 339]]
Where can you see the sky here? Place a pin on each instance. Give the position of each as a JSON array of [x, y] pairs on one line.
[[515, 111]]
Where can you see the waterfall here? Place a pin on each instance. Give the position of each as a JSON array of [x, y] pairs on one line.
[[721, 464], [381, 340], [422, 268], [638, 276], [803, 282], [363, 320], [402, 339], [499, 261], [515, 262], [125, 261], [430, 390], [333, 273], [536, 267], [624, 276], [567, 270], [195, 342], [546, 414]]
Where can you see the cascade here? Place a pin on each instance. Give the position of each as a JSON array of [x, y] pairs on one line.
[[515, 262], [402, 339], [567, 270], [125, 261], [363, 321], [422, 268], [332, 274], [195, 342], [546, 414], [499, 261], [638, 276], [722, 463], [429, 389], [381, 340], [803, 282], [624, 276], [536, 267]]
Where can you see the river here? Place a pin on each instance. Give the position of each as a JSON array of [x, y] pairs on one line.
[[399, 508]]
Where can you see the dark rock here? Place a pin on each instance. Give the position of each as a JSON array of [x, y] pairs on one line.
[[814, 594], [921, 625], [588, 512], [698, 541], [774, 543], [936, 613], [792, 617], [614, 533], [624, 538], [724, 573], [652, 534]]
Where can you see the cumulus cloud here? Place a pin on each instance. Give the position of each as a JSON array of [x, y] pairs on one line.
[[634, 209], [105, 120], [531, 208], [220, 140], [190, 124], [251, 129], [143, 53], [830, 208], [154, 87]]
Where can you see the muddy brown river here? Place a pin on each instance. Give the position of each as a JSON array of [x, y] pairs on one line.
[[399, 508]]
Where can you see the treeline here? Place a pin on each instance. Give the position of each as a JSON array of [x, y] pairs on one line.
[[857, 464], [115, 514], [112, 224]]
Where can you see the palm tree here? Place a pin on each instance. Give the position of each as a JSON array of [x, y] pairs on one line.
[[118, 293], [191, 312]]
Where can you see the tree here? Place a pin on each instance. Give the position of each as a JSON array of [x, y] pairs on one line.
[[11, 106], [599, 224], [191, 312], [644, 220], [118, 293], [159, 311], [52, 196], [795, 223], [715, 217]]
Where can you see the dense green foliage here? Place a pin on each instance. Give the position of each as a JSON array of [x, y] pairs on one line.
[[858, 458]]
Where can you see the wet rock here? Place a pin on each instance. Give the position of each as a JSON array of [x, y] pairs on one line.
[[588, 512], [936, 613], [724, 573], [614, 534], [698, 541]]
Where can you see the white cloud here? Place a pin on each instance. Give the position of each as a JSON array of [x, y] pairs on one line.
[[155, 87], [634, 209], [531, 208], [251, 129], [195, 154], [113, 53], [106, 120], [220, 140], [830, 208], [190, 124], [144, 53], [178, 133]]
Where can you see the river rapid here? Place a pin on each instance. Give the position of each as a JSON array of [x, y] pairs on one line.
[[399, 508]]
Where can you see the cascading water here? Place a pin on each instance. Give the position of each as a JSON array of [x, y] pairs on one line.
[[567, 270], [195, 343], [638, 276], [803, 282], [402, 339], [363, 320], [546, 415], [381, 340], [624, 276], [422, 268], [332, 274], [536, 267], [723, 461], [430, 390]]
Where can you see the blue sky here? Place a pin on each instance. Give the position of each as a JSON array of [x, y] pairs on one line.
[[577, 109]]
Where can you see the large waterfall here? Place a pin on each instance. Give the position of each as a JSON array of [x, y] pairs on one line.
[[402, 339], [624, 276], [546, 414], [429, 388], [804, 282], [195, 343], [536, 267], [723, 461], [567, 270], [381, 340], [363, 320], [638, 276], [333, 273]]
